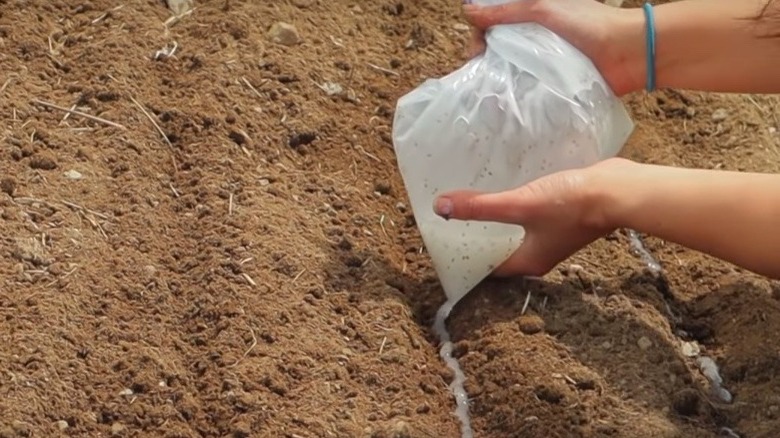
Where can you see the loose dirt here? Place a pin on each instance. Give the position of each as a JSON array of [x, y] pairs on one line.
[[227, 250]]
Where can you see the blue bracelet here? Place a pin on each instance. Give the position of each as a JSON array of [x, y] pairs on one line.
[[650, 46]]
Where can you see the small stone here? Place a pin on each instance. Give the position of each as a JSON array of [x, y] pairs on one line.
[[303, 4], [460, 27], [719, 115], [73, 174], [332, 88], [606, 345], [43, 163], [21, 428], [117, 428], [62, 425], [8, 186], [126, 391], [644, 343], [400, 207], [242, 430], [284, 34], [357, 9], [150, 271], [531, 324], [382, 187], [686, 402], [401, 429], [179, 7], [690, 111], [690, 349]]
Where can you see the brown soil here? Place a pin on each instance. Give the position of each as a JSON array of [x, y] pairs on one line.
[[259, 274]]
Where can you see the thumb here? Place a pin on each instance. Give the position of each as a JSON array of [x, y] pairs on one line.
[[483, 17], [509, 207], [530, 259]]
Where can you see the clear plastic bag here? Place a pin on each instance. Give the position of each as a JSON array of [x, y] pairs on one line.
[[531, 105]]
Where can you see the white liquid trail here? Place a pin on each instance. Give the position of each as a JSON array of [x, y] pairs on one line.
[[644, 254], [456, 386]]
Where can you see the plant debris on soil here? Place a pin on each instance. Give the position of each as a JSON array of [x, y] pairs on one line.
[[204, 234]]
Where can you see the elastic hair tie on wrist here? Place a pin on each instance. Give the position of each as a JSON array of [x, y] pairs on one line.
[[650, 36]]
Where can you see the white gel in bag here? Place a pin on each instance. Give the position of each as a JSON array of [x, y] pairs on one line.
[[531, 105]]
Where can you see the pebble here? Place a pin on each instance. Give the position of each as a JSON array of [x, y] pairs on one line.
[[690, 349], [73, 174], [719, 115], [179, 7], [460, 27], [686, 402], [150, 271], [284, 34], [644, 343], [62, 425], [531, 324], [401, 429], [332, 88], [117, 428]]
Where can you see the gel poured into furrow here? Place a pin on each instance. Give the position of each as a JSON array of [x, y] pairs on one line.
[[456, 386], [644, 254]]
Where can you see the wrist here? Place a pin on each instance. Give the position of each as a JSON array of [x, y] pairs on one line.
[[630, 50], [605, 193]]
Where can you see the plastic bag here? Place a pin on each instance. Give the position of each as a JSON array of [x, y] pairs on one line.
[[530, 105]]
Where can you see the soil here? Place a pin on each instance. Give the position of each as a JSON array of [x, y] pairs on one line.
[[227, 251]]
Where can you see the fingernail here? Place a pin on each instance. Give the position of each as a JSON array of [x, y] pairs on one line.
[[443, 207]]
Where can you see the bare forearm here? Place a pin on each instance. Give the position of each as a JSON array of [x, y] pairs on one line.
[[730, 215], [711, 45]]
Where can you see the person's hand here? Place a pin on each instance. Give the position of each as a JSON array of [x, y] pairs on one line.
[[561, 213], [611, 37]]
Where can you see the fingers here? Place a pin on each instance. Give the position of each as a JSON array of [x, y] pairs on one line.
[[507, 207], [483, 17], [477, 43]]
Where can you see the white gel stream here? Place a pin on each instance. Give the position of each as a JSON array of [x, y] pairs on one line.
[[644, 254], [456, 386], [706, 364]]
